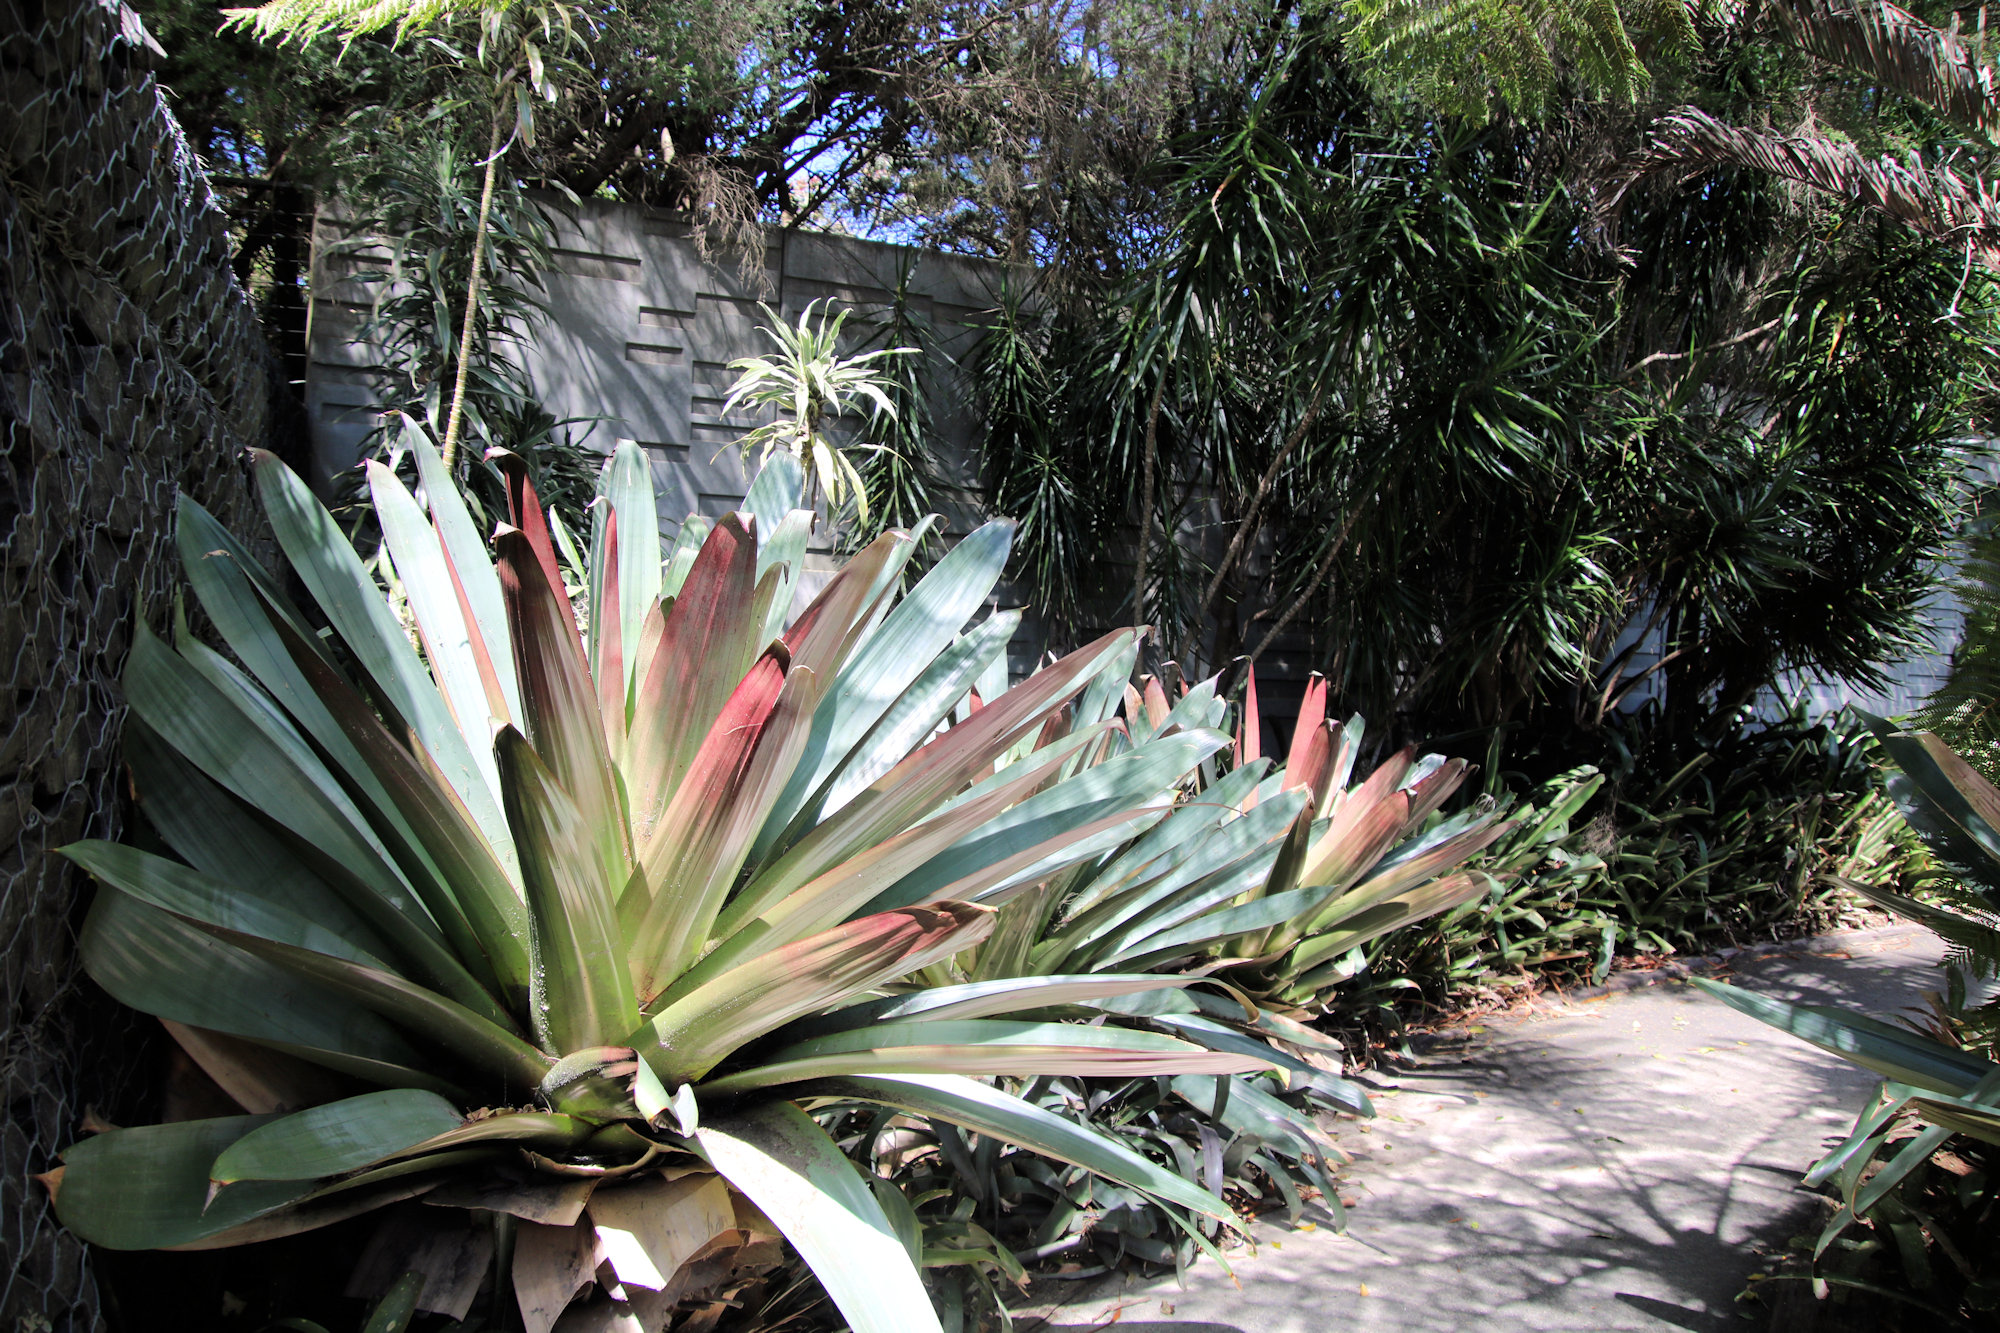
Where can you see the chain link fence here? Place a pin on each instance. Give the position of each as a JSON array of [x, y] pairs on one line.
[[132, 370]]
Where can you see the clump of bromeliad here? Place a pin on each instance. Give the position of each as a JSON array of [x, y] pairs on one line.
[[574, 927]]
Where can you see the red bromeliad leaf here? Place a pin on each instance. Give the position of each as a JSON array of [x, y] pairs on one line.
[[706, 643], [828, 628], [1312, 709], [524, 511], [482, 651], [1306, 766], [1358, 837], [556, 695], [1433, 791], [1157, 707], [700, 1030], [686, 858]]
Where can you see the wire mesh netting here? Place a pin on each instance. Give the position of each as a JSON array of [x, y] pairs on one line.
[[131, 371]]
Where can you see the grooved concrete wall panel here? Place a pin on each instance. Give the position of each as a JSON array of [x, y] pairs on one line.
[[641, 332]]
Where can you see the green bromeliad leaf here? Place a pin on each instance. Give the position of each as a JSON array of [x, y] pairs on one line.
[[800, 1180]]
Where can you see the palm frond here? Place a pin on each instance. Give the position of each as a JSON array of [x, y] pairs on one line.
[[1931, 200], [1935, 66]]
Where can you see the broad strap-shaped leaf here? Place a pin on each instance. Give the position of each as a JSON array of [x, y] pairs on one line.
[[1123, 783], [187, 892], [1363, 922], [691, 857], [792, 913], [1889, 1051], [467, 889], [272, 931], [1956, 817], [1007, 995], [290, 662], [706, 644], [228, 730], [420, 563], [1240, 1106], [988, 1046], [920, 627], [582, 992], [561, 704], [526, 515], [922, 781], [776, 491], [216, 834], [1213, 927], [699, 1030], [148, 1188], [159, 964], [335, 1138], [1961, 1117], [1407, 874], [344, 1131], [1158, 903], [1366, 824], [628, 493], [606, 647], [471, 568], [780, 561], [248, 611], [1183, 834], [986, 1110], [923, 707], [691, 536], [1220, 1037], [325, 561], [799, 1179]]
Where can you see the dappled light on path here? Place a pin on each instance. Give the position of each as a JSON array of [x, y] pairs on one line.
[[1605, 1165]]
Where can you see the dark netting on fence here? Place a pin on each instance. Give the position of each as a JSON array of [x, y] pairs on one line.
[[131, 370]]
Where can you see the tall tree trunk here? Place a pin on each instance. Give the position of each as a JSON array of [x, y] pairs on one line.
[[455, 422], [1319, 576], [1241, 537]]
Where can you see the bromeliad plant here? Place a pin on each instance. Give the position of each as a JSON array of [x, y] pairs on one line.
[[1271, 878], [567, 927], [1244, 861]]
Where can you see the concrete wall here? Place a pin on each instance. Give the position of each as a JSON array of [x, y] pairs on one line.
[[642, 329]]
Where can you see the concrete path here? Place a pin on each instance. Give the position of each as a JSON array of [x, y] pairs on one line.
[[1605, 1165]]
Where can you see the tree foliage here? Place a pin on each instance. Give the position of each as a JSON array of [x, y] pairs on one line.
[[1406, 419]]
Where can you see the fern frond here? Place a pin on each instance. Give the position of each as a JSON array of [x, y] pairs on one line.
[[303, 21], [1901, 52]]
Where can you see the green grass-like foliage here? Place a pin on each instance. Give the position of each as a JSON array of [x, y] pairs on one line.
[[1936, 1083], [487, 898]]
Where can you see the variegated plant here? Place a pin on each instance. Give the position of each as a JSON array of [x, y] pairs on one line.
[[566, 926]]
